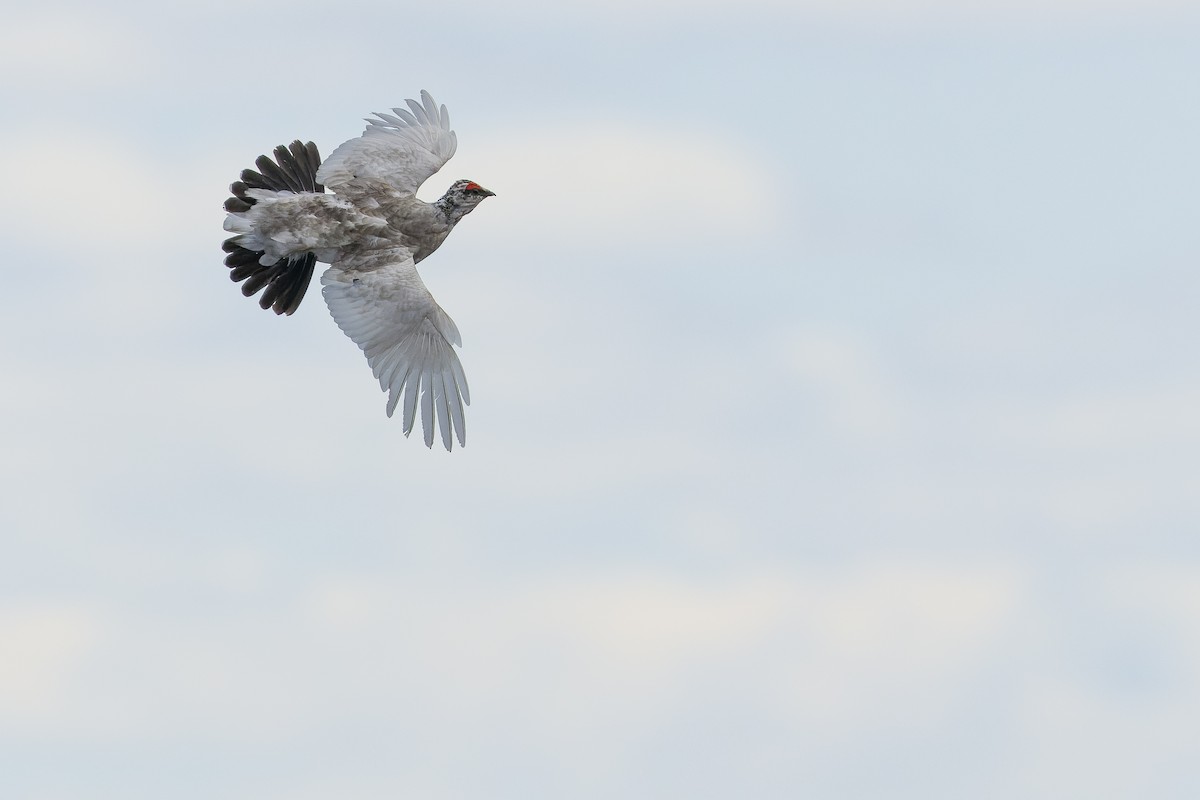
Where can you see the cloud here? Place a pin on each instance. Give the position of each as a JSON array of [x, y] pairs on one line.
[[88, 194], [877, 15], [933, 626], [589, 670], [68, 50], [1125, 420], [44, 651], [607, 186], [107, 230], [871, 12], [601, 646]]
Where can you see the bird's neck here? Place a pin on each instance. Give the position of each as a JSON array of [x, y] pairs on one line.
[[450, 209]]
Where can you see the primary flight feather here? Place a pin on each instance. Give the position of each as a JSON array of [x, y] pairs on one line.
[[372, 231]]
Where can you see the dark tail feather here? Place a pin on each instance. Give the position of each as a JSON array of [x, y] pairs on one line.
[[285, 282]]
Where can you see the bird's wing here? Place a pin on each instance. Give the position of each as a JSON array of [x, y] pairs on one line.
[[378, 300], [402, 148]]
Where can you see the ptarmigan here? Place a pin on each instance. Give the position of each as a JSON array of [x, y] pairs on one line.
[[372, 231]]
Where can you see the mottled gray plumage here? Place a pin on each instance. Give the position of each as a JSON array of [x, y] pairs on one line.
[[372, 231]]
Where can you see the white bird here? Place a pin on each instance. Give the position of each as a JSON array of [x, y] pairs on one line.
[[372, 231]]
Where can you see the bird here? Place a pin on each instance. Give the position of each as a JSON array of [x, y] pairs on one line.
[[372, 231]]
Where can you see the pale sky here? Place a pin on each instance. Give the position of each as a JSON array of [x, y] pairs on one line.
[[834, 427]]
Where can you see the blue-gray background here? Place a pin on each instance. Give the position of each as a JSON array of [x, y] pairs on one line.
[[834, 429]]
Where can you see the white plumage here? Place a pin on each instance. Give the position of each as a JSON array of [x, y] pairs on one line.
[[405, 335], [373, 232], [401, 149]]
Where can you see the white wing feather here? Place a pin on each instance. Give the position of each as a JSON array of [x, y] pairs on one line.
[[402, 148], [386, 310]]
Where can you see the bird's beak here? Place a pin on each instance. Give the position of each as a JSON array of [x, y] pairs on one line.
[[487, 192]]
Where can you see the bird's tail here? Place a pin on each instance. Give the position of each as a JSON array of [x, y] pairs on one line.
[[285, 280]]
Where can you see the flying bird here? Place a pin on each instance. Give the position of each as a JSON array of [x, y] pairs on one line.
[[372, 231]]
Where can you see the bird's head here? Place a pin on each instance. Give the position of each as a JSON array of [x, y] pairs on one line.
[[462, 197]]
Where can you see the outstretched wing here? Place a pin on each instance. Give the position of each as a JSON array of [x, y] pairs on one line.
[[402, 148], [378, 300]]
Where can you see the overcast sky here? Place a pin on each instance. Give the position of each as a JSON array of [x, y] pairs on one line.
[[835, 409]]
